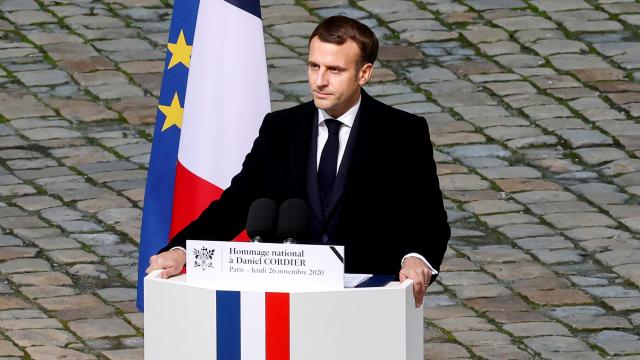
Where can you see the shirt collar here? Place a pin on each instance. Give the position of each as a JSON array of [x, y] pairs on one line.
[[347, 118]]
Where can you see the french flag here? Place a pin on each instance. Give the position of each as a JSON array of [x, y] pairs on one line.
[[252, 325], [214, 95]]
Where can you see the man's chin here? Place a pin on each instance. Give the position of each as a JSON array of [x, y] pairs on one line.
[[322, 104]]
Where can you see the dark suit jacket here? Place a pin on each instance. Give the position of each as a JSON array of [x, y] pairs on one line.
[[387, 203]]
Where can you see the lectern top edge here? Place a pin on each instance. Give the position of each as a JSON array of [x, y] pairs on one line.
[[181, 280]]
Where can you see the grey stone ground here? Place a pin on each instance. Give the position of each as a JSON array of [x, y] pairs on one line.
[[532, 107]]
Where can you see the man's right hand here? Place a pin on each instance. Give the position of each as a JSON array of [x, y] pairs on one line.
[[170, 262]]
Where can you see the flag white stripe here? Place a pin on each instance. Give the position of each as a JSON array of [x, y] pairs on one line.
[[227, 94], [252, 325]]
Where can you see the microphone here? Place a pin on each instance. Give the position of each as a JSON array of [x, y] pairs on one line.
[[293, 220], [261, 219]]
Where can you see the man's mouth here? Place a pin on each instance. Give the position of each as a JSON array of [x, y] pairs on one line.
[[321, 94]]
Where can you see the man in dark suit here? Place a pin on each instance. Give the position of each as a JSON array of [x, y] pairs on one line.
[[365, 168]]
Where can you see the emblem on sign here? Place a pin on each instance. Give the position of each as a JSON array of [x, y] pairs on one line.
[[203, 258]]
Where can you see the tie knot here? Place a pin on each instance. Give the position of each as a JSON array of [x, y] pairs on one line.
[[333, 126]]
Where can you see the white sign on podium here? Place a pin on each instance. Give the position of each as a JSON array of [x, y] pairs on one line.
[[265, 266]]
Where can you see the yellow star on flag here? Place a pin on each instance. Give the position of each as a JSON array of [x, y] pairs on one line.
[[173, 113], [180, 52]]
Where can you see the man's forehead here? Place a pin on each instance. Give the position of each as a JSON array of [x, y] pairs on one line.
[[322, 51]]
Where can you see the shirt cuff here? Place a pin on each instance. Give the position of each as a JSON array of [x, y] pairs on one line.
[[185, 250], [433, 271]]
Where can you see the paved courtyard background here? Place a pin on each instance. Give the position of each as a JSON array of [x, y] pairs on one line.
[[532, 107]]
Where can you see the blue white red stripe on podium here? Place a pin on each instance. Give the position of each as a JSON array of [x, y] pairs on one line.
[[252, 325]]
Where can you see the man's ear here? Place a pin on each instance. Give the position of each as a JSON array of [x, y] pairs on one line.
[[365, 73]]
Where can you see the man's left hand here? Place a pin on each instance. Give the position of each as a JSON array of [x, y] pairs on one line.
[[416, 270]]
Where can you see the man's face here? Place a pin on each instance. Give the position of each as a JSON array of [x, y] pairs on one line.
[[334, 78]]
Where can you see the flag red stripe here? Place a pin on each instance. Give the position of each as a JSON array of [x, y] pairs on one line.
[[243, 236], [277, 326], [191, 196]]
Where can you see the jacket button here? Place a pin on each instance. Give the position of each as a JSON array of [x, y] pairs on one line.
[[325, 238]]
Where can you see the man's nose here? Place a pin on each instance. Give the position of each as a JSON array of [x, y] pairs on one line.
[[321, 78]]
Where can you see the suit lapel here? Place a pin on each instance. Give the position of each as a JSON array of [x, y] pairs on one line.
[[361, 141], [368, 131], [304, 133], [338, 187]]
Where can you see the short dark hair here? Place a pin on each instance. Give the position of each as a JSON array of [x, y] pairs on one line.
[[338, 29]]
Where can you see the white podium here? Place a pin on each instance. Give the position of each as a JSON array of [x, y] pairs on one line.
[[183, 321]]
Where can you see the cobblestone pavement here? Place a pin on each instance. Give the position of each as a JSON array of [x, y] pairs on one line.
[[532, 107]]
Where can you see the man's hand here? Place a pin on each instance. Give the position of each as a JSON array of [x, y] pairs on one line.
[[416, 270], [170, 262]]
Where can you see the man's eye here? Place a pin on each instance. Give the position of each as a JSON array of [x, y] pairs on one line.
[[314, 66], [335, 71]]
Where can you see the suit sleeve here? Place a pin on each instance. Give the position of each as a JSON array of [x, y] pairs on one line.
[[226, 217], [426, 230]]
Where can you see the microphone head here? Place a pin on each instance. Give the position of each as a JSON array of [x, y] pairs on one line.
[[293, 219], [261, 219]]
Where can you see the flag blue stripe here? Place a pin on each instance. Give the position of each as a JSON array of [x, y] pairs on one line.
[[158, 199], [250, 6], [228, 325]]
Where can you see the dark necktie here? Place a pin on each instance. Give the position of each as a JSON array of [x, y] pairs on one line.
[[329, 159]]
